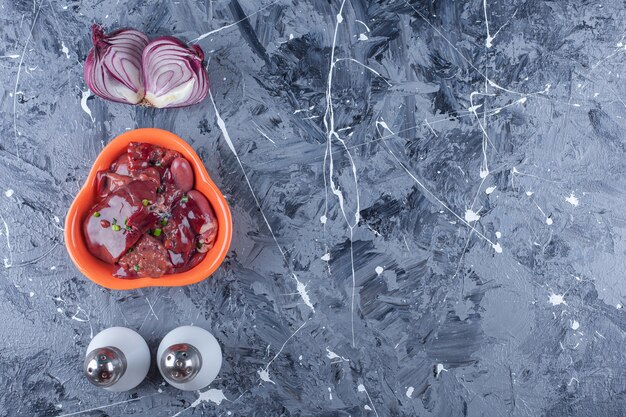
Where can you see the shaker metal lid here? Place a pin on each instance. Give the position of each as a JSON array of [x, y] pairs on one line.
[[181, 362], [104, 366]]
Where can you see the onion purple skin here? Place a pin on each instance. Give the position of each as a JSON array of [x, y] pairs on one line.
[[174, 75], [113, 68]]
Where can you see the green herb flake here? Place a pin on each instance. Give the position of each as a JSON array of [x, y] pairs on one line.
[[163, 222], [96, 214], [184, 199], [136, 268], [116, 227], [145, 202], [157, 232]]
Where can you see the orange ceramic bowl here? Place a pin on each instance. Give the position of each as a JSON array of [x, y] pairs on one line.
[[102, 273]]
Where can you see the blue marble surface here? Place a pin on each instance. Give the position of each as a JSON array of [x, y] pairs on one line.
[[428, 200]]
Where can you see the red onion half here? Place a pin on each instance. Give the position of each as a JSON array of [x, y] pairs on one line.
[[113, 67], [124, 67], [173, 73]]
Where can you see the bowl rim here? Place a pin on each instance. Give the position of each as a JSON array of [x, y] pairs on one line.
[[100, 272]]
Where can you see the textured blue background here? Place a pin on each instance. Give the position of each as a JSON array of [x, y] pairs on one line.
[[428, 201]]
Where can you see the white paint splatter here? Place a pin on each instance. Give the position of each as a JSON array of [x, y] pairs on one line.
[[326, 257], [431, 194], [575, 325], [379, 270], [529, 193], [488, 41], [330, 395], [439, 368], [31, 294], [619, 306], [300, 357], [300, 287], [16, 132], [12, 56], [207, 34], [497, 247], [409, 392], [214, 395], [363, 37], [9, 192], [331, 134], [367, 407], [471, 216], [323, 219], [65, 50], [332, 355], [498, 235], [265, 136], [549, 221], [383, 124], [301, 110], [361, 388], [83, 104], [490, 190], [78, 319], [571, 381], [363, 23], [8, 261], [557, 299], [572, 199], [265, 375]]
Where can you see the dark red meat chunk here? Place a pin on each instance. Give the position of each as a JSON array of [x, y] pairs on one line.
[[115, 223], [148, 220], [179, 237], [147, 259], [144, 155], [120, 166]]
